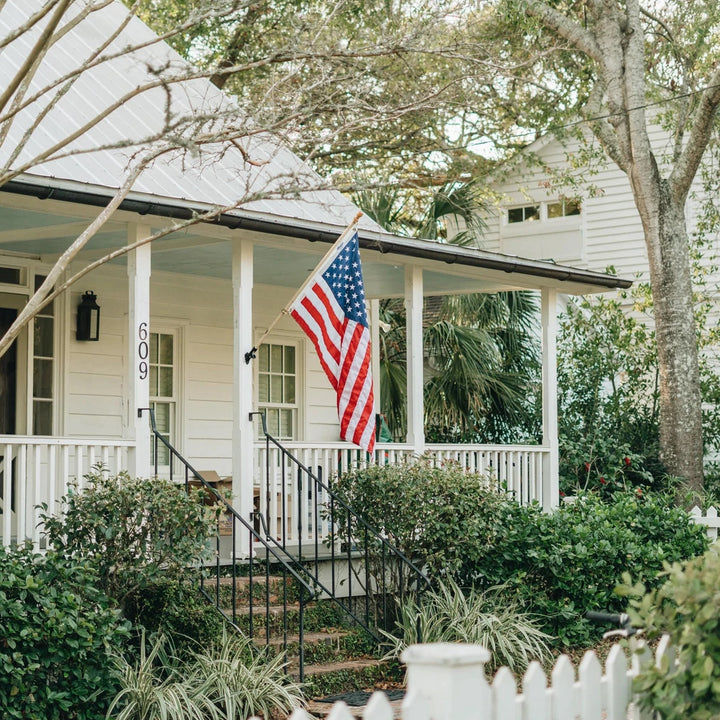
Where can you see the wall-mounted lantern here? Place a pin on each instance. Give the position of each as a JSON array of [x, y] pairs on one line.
[[88, 317]]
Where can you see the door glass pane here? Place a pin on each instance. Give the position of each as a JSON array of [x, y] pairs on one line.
[[42, 417], [153, 348], [43, 340], [42, 379]]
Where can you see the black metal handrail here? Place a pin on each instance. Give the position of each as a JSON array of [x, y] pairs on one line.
[[262, 604], [379, 576]]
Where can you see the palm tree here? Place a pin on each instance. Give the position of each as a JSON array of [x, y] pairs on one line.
[[482, 354]]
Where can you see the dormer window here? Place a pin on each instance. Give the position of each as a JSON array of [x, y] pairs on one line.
[[563, 208], [526, 213]]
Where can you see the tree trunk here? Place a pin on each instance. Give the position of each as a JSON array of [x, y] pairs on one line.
[[681, 442]]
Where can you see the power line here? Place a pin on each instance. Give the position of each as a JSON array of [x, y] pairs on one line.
[[606, 116]]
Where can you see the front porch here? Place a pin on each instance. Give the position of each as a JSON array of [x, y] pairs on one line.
[[39, 470]]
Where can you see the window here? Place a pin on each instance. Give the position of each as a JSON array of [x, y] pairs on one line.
[[43, 367], [162, 390], [12, 275], [523, 214], [277, 389], [563, 208]]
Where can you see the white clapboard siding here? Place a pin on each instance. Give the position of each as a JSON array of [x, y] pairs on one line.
[[447, 682]]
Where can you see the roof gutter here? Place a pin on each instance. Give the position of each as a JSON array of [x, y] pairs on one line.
[[383, 243]]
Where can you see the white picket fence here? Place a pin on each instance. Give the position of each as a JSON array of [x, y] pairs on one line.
[[446, 681], [710, 520]]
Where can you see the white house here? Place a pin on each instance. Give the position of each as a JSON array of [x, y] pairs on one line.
[[565, 201], [177, 316]]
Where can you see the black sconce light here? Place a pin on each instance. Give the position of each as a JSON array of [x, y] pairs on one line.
[[88, 317]]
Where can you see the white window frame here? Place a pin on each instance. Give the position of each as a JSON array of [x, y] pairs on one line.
[[175, 434], [298, 406]]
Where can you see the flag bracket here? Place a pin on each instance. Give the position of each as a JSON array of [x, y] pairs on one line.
[[250, 355]]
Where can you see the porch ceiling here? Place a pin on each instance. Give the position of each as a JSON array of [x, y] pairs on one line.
[[44, 228]]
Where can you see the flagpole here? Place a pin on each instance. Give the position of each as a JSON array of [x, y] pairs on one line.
[[333, 249]]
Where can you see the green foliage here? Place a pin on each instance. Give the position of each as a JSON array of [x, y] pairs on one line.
[[557, 565], [228, 679], [57, 628], [568, 562], [452, 614], [422, 511], [685, 607], [133, 531], [175, 609], [608, 398]]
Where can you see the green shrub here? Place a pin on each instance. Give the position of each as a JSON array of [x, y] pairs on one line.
[[685, 607], [557, 565], [436, 516], [452, 614], [56, 628], [134, 531], [177, 610], [567, 562]]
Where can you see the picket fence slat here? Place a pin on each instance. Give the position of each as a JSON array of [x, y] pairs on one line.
[[536, 705], [378, 707], [504, 695], [562, 699]]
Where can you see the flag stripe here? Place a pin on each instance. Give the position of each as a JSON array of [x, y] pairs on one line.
[[331, 311]]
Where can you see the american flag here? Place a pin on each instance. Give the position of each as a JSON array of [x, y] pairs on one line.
[[331, 311]]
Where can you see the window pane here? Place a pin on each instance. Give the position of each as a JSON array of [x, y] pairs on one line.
[[42, 418], [572, 207], [289, 389], [286, 423], [272, 421], [276, 388], [153, 380], [276, 358], [153, 347], [42, 379], [11, 276], [264, 358], [166, 349], [515, 215], [532, 212], [555, 210], [165, 382], [263, 388], [43, 336], [289, 360], [162, 417]]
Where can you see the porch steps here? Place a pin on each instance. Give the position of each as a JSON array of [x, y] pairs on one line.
[[338, 658]]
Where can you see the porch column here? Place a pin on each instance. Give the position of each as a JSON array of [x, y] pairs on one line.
[[375, 349], [414, 329], [242, 437], [550, 488], [138, 349]]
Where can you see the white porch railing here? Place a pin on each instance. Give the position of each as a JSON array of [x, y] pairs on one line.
[[518, 468], [35, 470]]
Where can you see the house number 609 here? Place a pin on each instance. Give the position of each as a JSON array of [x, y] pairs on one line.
[[143, 350]]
